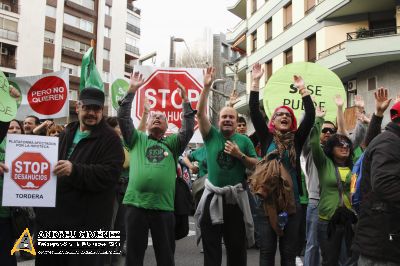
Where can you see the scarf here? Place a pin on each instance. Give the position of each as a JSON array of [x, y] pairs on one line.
[[285, 141]]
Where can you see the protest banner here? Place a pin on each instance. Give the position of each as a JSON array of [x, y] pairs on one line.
[[8, 105], [45, 96], [322, 84], [30, 180], [118, 91], [163, 94]]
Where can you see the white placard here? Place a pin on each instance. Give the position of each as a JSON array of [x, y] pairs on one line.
[[30, 180]]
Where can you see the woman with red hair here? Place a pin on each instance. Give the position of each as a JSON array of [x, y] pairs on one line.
[[284, 140]]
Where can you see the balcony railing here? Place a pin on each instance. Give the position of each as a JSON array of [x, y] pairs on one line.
[[364, 33], [331, 50], [133, 28], [133, 9], [8, 61], [9, 35], [128, 68], [132, 49]]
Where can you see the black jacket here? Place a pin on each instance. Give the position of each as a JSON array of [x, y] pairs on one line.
[[85, 199], [266, 137], [3, 130], [378, 230]]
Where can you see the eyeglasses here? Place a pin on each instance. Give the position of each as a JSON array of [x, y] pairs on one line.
[[328, 129], [282, 114], [92, 107], [343, 145]]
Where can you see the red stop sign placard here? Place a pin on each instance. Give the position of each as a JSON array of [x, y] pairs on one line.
[[48, 95], [30, 170], [163, 94]]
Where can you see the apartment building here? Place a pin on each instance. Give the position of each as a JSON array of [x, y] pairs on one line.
[[44, 36], [357, 39]]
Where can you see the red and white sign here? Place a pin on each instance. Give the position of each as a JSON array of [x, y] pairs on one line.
[[163, 94], [30, 181], [30, 170], [45, 96]]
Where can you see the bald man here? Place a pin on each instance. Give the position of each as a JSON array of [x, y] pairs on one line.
[[228, 156]]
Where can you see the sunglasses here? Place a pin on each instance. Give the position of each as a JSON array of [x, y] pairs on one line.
[[343, 145], [282, 114], [328, 129]]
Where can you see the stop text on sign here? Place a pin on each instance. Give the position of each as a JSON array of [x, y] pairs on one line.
[[175, 98]]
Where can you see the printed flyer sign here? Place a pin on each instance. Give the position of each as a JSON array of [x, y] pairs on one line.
[[30, 180], [8, 105]]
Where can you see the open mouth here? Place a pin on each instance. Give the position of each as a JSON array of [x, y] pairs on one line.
[[284, 122], [157, 123]]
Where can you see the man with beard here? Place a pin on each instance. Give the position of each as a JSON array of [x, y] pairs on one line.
[[224, 210], [30, 123], [149, 197], [90, 163]]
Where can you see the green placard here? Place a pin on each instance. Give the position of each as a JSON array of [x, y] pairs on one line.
[[322, 83], [118, 91], [8, 105], [16, 86]]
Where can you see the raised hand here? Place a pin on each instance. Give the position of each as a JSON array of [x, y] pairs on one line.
[[339, 100], [381, 101], [233, 98], [14, 92], [135, 82], [209, 76], [298, 81], [359, 102], [146, 105], [320, 112], [256, 74], [363, 117], [182, 90]]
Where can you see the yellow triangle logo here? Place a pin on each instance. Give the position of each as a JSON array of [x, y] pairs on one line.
[[24, 243]]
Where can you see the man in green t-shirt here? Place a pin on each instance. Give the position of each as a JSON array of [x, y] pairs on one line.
[[228, 156], [151, 189]]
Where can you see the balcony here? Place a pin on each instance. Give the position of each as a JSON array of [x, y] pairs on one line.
[[332, 50], [8, 61], [9, 5], [364, 33], [133, 28], [132, 49], [9, 35], [133, 9], [238, 9], [237, 32], [128, 68]]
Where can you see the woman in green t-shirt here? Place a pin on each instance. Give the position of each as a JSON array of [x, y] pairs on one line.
[[334, 163]]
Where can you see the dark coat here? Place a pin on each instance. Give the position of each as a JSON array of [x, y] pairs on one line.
[[85, 199], [265, 137], [3, 130], [378, 229]]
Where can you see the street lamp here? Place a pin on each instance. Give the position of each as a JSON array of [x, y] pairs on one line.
[[172, 55]]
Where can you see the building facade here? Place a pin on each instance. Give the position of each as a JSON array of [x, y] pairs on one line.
[[45, 36], [357, 39]]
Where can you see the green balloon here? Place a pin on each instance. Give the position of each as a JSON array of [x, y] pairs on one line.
[[118, 91], [322, 84], [8, 105]]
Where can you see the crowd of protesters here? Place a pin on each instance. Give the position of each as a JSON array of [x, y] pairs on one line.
[[305, 185]]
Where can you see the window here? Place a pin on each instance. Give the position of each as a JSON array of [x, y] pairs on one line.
[[49, 36], [268, 70], [8, 24], [288, 56], [106, 77], [287, 16], [106, 54], [48, 63], [132, 41], [268, 30], [51, 11], [78, 23], [311, 48], [133, 20], [83, 47], [86, 3], [308, 5], [371, 83], [72, 69], [107, 32], [253, 6], [254, 41], [74, 46], [107, 10]]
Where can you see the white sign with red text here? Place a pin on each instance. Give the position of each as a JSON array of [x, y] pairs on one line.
[[163, 94], [30, 180], [45, 96]]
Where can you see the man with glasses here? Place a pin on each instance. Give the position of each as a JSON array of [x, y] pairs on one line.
[[149, 197], [90, 163]]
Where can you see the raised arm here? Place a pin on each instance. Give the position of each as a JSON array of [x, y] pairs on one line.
[[316, 149], [145, 116], [124, 112], [309, 117], [187, 129], [339, 115], [202, 118]]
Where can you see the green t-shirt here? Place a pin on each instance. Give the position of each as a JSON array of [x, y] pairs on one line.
[[79, 135], [4, 211], [200, 156], [152, 172], [223, 169]]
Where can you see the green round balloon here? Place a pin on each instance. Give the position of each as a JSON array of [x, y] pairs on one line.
[[8, 105], [118, 91], [321, 82]]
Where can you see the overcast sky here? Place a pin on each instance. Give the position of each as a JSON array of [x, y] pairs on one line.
[[186, 19]]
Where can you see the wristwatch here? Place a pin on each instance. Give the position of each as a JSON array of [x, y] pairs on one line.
[[243, 156]]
